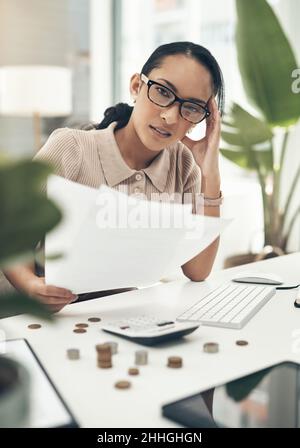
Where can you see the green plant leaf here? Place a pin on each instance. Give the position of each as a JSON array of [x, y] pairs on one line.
[[266, 62], [249, 140], [17, 303], [26, 213], [240, 157], [250, 129]]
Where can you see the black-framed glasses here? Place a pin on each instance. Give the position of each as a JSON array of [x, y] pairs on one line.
[[163, 96]]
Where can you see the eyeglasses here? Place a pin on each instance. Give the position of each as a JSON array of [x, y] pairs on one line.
[[163, 96]]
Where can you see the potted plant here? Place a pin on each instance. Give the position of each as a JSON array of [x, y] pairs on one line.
[[267, 63], [26, 215]]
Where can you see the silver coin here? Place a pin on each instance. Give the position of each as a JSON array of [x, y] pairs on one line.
[[73, 353], [113, 346], [141, 357], [211, 347]]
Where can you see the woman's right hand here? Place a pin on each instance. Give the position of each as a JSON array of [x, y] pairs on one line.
[[52, 296]]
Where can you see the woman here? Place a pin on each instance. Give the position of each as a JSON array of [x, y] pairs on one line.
[[146, 149]]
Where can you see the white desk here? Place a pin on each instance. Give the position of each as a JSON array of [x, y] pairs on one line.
[[273, 335]]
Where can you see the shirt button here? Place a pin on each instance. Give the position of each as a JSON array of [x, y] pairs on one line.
[[137, 190], [138, 176]]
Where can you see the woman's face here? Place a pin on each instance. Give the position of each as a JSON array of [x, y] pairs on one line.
[[184, 76]]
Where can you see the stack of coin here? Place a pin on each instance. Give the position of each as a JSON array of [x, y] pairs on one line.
[[133, 371], [141, 357], [122, 384], [211, 347], [175, 362], [73, 353], [113, 347], [104, 356]]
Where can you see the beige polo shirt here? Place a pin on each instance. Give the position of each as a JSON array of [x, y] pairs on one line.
[[93, 158]]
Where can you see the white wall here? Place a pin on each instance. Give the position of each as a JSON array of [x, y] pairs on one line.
[[43, 32], [101, 48]]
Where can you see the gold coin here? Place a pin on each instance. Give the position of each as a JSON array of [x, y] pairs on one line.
[[122, 385], [133, 371], [103, 348], [104, 360], [94, 319], [81, 325], [104, 365], [175, 362], [175, 359], [79, 330], [34, 326], [103, 355], [241, 342]]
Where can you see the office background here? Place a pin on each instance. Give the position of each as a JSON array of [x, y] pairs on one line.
[[103, 42]]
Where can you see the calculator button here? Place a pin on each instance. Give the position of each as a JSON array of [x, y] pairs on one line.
[[167, 322]]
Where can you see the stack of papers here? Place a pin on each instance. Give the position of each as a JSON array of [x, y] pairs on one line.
[[111, 240]]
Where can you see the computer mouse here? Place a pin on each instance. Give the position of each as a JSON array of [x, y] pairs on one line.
[[258, 278]]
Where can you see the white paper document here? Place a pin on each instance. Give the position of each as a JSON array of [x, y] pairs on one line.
[[108, 239]]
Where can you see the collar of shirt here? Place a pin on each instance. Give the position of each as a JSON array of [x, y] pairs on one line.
[[116, 170]]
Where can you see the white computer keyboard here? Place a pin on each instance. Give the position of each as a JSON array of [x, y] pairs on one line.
[[230, 305]]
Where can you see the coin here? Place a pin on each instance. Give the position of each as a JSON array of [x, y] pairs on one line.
[[81, 325], [113, 346], [242, 342], [73, 353], [104, 364], [103, 348], [94, 319], [133, 371], [141, 357], [34, 326], [79, 330], [122, 384], [211, 347], [104, 360], [175, 362]]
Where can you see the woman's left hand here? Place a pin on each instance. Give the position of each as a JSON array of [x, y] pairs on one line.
[[206, 150]]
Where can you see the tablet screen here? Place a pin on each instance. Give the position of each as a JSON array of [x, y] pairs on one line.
[[47, 408], [269, 398]]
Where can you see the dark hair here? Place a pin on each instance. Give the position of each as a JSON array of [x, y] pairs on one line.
[[121, 112]]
